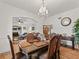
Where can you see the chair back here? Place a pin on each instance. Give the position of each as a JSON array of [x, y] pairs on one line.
[[59, 39], [30, 37], [58, 46], [11, 46], [52, 47]]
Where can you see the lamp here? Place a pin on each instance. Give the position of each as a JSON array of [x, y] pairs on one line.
[[43, 10]]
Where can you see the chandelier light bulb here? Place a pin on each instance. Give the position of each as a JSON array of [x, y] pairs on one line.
[[43, 10], [46, 11]]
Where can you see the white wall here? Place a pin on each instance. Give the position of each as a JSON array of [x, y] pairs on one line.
[[6, 14], [56, 23]]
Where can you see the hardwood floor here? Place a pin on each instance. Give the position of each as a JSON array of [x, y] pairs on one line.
[[6, 55], [66, 53]]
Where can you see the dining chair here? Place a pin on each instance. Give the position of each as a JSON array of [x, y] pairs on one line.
[[51, 54], [30, 37], [18, 55], [58, 46], [53, 47]]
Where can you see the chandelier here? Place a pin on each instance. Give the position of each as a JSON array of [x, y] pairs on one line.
[[43, 10]]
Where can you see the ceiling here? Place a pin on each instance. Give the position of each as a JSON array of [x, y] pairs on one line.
[[54, 6]]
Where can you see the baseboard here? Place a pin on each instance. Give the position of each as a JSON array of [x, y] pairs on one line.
[[8, 52]]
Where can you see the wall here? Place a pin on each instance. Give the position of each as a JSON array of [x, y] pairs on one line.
[[56, 23], [6, 14]]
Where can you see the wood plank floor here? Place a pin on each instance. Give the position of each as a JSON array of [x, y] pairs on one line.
[[66, 53]]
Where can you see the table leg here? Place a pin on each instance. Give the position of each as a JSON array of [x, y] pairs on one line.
[[73, 44], [30, 56]]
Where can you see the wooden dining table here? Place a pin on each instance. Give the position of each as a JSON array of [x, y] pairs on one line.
[[34, 47]]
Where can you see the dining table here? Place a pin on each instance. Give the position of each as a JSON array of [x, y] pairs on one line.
[[30, 48]]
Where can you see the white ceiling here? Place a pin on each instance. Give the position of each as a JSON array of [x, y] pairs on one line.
[[54, 6]]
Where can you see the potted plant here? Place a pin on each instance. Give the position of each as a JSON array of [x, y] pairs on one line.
[[76, 31]]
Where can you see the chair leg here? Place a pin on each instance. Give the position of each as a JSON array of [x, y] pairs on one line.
[[58, 54], [55, 56]]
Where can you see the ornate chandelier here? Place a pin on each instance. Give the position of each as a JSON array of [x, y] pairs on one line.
[[43, 10]]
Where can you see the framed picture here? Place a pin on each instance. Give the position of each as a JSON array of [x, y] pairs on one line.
[[47, 29]]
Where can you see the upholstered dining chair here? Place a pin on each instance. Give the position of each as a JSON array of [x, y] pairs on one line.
[[18, 55], [51, 54]]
